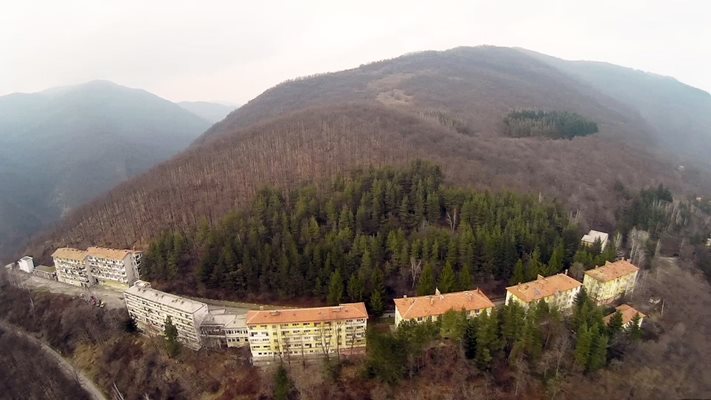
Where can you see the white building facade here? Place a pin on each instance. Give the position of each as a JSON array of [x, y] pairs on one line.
[[113, 267], [26, 264], [71, 268], [150, 308]]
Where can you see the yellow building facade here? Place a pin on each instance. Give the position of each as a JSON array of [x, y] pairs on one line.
[[557, 290], [304, 332], [423, 308], [607, 283]]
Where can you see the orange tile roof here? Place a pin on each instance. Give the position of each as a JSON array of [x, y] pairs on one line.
[[315, 314], [628, 313], [69, 253], [611, 271], [543, 287], [427, 306], [109, 254]]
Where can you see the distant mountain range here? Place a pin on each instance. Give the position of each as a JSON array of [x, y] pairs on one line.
[[212, 112], [61, 147], [443, 106]]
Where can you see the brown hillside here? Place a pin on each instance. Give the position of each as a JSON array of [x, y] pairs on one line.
[[442, 106]]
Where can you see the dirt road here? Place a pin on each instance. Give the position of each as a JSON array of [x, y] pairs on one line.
[[68, 369]]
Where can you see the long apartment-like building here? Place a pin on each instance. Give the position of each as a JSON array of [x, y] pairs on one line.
[[307, 332], [150, 309], [71, 268], [607, 283], [423, 308], [110, 267], [557, 290]]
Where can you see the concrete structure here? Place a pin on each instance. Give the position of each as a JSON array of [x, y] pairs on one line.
[[628, 314], [305, 332], [557, 290], [46, 272], [611, 281], [71, 268], [593, 236], [220, 329], [26, 264], [113, 267], [150, 308], [423, 308]]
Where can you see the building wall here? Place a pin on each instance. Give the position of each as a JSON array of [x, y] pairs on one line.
[[307, 339], [217, 335], [72, 272], [108, 271], [607, 292], [562, 300], [26, 264], [150, 317], [470, 314]]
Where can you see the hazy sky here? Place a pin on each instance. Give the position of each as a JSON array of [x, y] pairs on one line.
[[234, 50]]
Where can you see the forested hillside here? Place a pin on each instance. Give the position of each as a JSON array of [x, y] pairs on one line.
[[446, 107], [62, 147]]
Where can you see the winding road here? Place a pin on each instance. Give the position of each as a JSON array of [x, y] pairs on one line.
[[68, 369]]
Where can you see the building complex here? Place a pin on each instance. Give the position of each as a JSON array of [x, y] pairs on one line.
[[557, 290], [222, 329], [607, 283], [150, 309], [423, 308], [307, 332]]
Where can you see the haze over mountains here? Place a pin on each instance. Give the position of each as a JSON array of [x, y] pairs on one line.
[[211, 112], [61, 147], [443, 106]]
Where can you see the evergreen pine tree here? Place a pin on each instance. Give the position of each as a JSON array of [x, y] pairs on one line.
[[598, 353], [448, 280], [356, 288], [465, 278], [583, 345], [519, 273], [172, 345], [614, 326], [426, 283], [335, 288]]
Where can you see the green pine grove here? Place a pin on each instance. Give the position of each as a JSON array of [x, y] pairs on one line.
[[362, 236]]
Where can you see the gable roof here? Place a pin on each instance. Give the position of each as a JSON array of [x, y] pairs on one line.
[[314, 314], [593, 235], [628, 313], [69, 253], [438, 304], [611, 271], [109, 254], [543, 287]]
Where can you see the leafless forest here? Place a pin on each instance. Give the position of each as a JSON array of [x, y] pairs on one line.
[[445, 107]]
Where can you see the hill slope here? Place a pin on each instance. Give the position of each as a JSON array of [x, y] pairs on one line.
[[211, 112], [443, 106], [61, 147]]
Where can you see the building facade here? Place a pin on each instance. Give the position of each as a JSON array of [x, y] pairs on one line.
[[423, 308], [46, 272], [26, 264], [557, 290], [220, 329], [113, 267], [150, 308], [71, 267], [593, 236], [611, 281], [304, 332]]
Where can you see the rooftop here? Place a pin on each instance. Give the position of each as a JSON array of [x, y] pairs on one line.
[[543, 287], [229, 321], [69, 254], [611, 271], [593, 235], [45, 268], [26, 258], [315, 314], [628, 313], [438, 304], [166, 299], [109, 254]]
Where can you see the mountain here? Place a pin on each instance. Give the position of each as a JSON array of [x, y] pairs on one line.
[[679, 115], [446, 107], [212, 112], [61, 147]]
